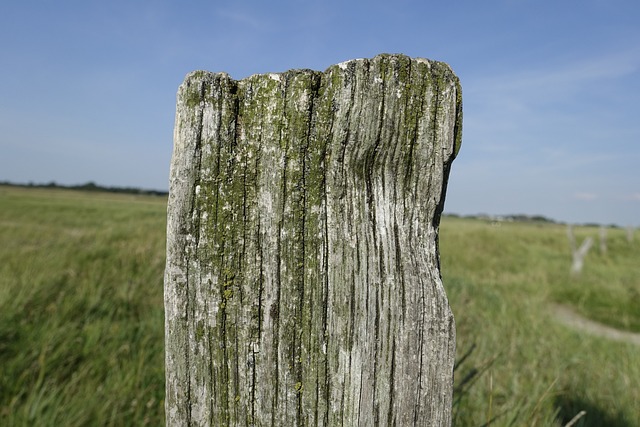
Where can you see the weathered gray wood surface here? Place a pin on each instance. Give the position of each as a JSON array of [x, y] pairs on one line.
[[302, 284]]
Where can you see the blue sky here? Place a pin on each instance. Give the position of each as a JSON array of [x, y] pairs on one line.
[[551, 89]]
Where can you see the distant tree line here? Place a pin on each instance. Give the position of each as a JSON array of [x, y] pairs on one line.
[[506, 218], [89, 186], [521, 218]]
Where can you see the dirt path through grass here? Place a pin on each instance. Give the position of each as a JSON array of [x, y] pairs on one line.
[[569, 317]]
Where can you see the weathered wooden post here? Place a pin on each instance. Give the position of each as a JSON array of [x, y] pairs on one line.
[[578, 254], [302, 284], [603, 240]]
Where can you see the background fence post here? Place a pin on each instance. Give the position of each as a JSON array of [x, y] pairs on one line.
[[302, 284], [603, 239], [578, 254]]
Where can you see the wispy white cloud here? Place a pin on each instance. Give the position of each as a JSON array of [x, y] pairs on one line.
[[549, 95], [246, 20], [585, 196], [539, 116], [557, 78]]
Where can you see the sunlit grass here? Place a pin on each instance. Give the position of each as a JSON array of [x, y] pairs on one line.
[[502, 280], [81, 316], [81, 312]]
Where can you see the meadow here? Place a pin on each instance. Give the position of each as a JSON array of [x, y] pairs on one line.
[[81, 316], [504, 281]]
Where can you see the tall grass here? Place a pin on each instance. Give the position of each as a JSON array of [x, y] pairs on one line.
[[81, 312], [81, 317], [502, 280]]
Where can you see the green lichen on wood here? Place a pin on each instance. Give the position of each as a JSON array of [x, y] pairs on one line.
[[291, 197]]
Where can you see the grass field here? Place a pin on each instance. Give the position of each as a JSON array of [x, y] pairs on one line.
[[502, 280], [81, 308], [81, 316]]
